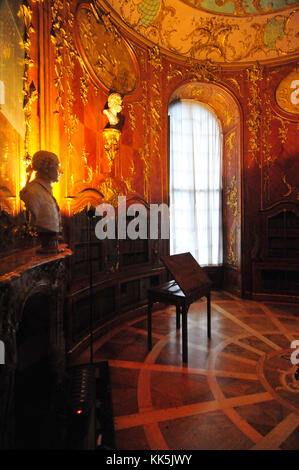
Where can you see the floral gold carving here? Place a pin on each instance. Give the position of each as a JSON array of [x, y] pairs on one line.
[[229, 146], [132, 116], [29, 89], [172, 73], [65, 55], [282, 129], [111, 144], [236, 84], [88, 169], [232, 196], [111, 190], [254, 75], [231, 257]]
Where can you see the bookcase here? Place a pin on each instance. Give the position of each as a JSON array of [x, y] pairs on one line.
[[121, 271], [277, 273]]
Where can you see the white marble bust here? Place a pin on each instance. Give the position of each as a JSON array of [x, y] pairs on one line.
[[114, 108], [37, 194]]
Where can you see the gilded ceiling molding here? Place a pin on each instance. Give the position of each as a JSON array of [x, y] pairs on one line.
[[240, 31]]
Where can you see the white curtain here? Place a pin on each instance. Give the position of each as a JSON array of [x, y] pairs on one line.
[[195, 182]]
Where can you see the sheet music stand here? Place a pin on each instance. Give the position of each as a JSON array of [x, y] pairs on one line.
[[190, 284]]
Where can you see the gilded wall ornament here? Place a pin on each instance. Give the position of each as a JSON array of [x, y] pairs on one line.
[[112, 189], [173, 73], [132, 116], [231, 256], [232, 197], [254, 75], [229, 144], [236, 84], [282, 129], [29, 89], [111, 144], [155, 57], [107, 56], [289, 187], [65, 56], [88, 170]]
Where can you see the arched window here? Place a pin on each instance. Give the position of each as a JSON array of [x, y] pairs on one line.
[[195, 182]]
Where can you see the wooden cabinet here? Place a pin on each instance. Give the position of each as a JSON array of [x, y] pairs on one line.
[[277, 272], [283, 235]]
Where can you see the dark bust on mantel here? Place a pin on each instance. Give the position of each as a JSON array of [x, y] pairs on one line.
[[40, 202]]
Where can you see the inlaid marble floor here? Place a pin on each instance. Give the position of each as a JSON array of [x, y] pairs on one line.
[[238, 391]]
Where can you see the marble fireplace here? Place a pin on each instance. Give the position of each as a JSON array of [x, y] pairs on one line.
[[32, 293]]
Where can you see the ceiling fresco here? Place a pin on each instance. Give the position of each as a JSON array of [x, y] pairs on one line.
[[240, 7], [226, 31]]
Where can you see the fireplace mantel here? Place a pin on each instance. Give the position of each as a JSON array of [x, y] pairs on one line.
[[23, 275]]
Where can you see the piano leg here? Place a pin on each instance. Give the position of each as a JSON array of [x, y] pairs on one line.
[[185, 334]]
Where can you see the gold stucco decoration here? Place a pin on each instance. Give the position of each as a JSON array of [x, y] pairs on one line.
[[232, 196], [111, 144], [107, 56], [225, 31], [254, 75]]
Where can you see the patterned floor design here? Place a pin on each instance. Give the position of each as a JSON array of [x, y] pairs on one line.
[[238, 391]]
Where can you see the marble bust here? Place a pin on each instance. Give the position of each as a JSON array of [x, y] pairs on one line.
[[40, 202], [115, 107]]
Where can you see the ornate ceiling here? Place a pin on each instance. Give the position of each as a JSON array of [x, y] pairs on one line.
[[219, 30]]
